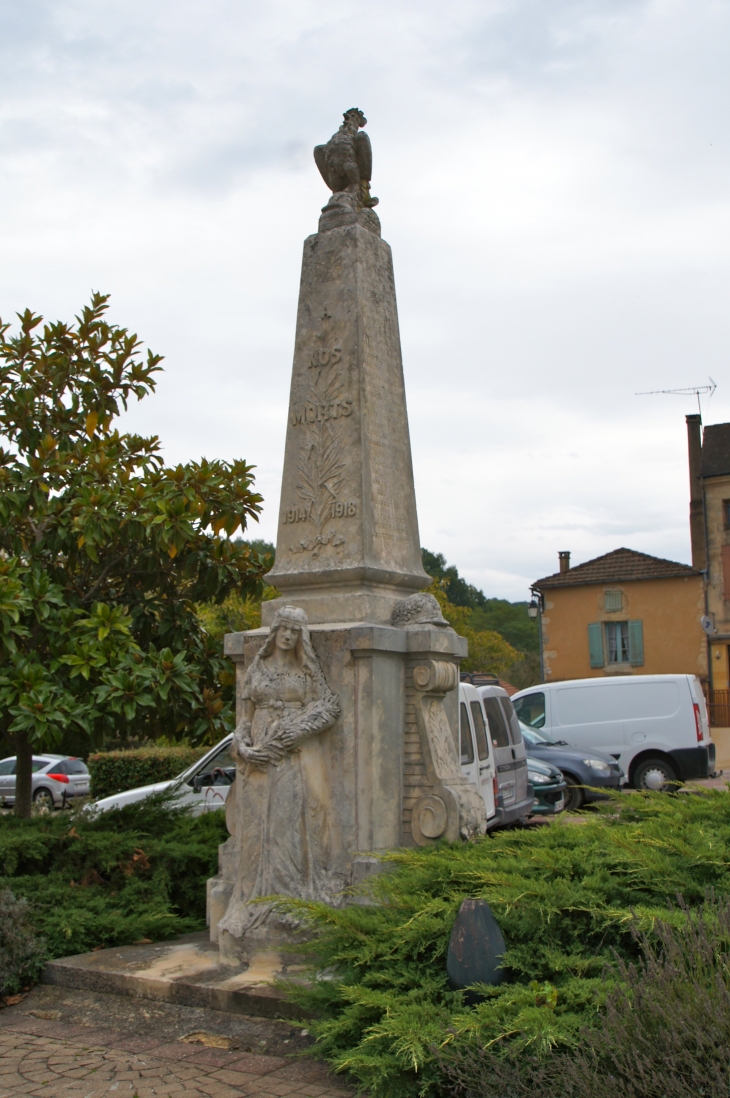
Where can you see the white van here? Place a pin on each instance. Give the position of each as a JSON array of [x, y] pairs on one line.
[[655, 726], [475, 750]]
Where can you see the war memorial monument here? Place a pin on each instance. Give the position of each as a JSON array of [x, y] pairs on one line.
[[347, 718]]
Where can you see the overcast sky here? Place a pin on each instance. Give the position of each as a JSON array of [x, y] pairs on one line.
[[554, 180]]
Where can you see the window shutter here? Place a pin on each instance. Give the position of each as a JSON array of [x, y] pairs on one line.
[[636, 643], [595, 643]]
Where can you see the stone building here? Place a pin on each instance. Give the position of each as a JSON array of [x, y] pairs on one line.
[[623, 613], [709, 476]]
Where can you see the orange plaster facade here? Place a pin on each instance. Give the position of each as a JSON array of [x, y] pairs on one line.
[[670, 610]]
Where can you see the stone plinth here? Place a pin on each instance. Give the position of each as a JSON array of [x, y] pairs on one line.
[[392, 771], [347, 547]]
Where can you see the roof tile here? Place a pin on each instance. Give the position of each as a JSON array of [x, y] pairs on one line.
[[619, 566]]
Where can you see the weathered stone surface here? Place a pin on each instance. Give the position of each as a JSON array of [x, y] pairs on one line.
[[284, 813], [348, 546], [476, 948], [346, 162], [377, 756], [188, 971], [384, 771]]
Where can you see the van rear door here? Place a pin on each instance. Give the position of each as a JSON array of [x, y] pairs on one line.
[[510, 759], [698, 700], [477, 762], [487, 769]]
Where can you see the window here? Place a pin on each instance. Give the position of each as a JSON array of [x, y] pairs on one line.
[[726, 513], [617, 642], [222, 762], [39, 764], [7, 766], [467, 746], [531, 709], [514, 725], [70, 766], [497, 724], [480, 731], [613, 600]]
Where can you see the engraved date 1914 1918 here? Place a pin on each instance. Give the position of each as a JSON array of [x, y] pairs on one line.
[[337, 509]]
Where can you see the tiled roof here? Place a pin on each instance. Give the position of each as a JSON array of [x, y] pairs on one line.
[[620, 566], [716, 450]]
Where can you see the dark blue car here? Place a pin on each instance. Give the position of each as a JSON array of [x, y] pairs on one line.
[[580, 768]]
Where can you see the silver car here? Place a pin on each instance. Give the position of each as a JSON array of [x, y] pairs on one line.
[[56, 779]]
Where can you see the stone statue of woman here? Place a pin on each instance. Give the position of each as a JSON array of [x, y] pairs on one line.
[[284, 825]]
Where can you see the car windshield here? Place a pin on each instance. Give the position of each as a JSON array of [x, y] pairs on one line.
[[214, 770], [531, 709], [535, 737]]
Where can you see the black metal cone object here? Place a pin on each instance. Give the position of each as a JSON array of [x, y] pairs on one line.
[[476, 949]]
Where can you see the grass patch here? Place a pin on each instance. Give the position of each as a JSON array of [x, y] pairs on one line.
[[114, 878], [570, 900]]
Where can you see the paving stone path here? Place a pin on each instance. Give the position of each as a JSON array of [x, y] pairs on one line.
[[58, 1059]]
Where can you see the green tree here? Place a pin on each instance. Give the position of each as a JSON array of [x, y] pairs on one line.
[[511, 620], [238, 611], [487, 650], [105, 551], [459, 592]]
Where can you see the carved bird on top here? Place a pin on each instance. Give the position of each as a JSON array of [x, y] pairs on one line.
[[346, 161]]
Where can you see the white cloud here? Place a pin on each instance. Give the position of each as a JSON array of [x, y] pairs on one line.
[[554, 183]]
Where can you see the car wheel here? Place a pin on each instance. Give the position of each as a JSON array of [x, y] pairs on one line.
[[574, 795], [43, 798], [655, 775]]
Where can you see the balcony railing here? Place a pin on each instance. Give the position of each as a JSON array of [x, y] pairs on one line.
[[720, 708]]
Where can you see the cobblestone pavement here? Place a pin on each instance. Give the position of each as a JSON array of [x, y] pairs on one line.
[[52, 1057]]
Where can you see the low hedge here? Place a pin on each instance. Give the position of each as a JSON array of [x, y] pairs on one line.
[[115, 771], [101, 880]]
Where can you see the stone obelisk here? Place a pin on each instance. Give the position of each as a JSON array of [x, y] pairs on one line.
[[383, 769], [347, 547]]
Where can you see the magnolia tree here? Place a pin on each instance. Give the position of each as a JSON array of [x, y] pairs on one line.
[[105, 551]]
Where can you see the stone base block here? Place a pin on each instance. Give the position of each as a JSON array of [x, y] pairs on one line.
[[188, 971]]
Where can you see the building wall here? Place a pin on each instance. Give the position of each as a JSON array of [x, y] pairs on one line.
[[717, 489], [669, 609]]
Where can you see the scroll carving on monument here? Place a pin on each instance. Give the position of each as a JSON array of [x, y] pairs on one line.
[[463, 814], [285, 831]]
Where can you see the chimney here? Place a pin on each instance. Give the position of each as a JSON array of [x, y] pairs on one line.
[[696, 505], [564, 559]]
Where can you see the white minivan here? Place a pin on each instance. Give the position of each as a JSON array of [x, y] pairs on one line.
[[655, 726], [475, 751]]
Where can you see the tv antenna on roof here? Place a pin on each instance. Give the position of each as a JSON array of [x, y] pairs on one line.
[[696, 389]]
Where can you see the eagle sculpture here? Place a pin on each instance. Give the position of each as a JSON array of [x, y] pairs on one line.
[[346, 161]]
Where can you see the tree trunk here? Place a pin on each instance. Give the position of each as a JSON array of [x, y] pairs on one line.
[[23, 775]]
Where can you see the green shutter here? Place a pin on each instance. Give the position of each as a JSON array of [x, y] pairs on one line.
[[595, 643], [636, 643]]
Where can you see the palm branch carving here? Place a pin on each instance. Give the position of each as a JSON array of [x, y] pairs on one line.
[[322, 464]]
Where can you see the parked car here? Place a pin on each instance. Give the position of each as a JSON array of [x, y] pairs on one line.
[[56, 779], [549, 787], [203, 786], [654, 726], [515, 794], [585, 775], [476, 752]]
